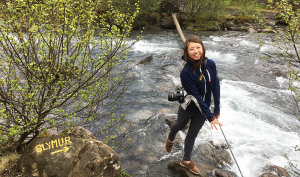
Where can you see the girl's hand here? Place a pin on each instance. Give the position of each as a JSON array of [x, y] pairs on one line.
[[214, 122]]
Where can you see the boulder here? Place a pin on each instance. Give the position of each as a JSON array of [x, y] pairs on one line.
[[142, 60], [228, 24], [171, 119], [273, 169], [69, 156], [219, 157], [213, 171], [140, 115], [268, 175], [251, 30], [163, 111], [267, 30], [222, 173], [168, 22], [181, 171]]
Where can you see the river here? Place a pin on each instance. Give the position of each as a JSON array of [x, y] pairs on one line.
[[256, 106]]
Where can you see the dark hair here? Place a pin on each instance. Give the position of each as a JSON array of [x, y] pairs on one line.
[[196, 63]]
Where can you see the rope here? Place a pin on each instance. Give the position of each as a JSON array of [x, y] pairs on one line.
[[231, 151]]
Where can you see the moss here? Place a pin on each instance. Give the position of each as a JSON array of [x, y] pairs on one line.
[[204, 22], [243, 19]]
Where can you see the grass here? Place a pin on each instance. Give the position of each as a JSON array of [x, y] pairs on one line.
[[8, 160]]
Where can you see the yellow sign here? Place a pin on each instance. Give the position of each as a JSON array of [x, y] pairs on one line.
[[54, 144], [65, 149]]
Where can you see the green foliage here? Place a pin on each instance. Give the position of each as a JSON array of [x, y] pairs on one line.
[[123, 173], [288, 43], [192, 8], [245, 7], [208, 22], [60, 66]]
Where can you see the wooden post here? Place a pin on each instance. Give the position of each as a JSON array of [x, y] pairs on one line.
[[178, 29]]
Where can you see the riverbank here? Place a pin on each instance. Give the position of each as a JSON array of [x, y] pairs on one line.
[[267, 23]]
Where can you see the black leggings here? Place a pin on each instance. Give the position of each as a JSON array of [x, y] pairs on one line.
[[197, 121]]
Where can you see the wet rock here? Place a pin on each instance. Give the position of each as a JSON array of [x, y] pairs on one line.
[[139, 115], [273, 169], [181, 171], [171, 119], [222, 173], [228, 24], [219, 146], [251, 30], [268, 175], [213, 171], [142, 60], [276, 73], [69, 156], [219, 157], [163, 111]]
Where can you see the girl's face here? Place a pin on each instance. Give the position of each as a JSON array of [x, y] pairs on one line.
[[195, 50]]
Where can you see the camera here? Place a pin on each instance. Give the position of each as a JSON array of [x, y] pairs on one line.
[[176, 97]]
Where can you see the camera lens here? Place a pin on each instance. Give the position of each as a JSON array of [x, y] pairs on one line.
[[172, 97]]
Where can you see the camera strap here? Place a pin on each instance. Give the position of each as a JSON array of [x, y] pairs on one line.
[[203, 67]]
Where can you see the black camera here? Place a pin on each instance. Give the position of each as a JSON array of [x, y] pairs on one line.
[[176, 97]]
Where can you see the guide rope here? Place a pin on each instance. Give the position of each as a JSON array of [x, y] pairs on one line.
[[231, 151]]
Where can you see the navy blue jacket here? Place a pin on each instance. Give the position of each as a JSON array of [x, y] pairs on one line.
[[209, 85]]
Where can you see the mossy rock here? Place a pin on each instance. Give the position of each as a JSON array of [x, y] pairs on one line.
[[243, 19]]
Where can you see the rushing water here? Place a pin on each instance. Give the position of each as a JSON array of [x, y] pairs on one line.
[[256, 107]]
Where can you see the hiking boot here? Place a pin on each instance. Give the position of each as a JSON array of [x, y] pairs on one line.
[[191, 166], [169, 145]]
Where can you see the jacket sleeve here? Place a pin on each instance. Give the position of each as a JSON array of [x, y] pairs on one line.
[[216, 91], [190, 87]]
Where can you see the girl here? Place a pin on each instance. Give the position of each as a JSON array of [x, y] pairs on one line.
[[199, 83]]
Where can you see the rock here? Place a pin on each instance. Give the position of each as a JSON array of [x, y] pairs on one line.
[[280, 20], [52, 131], [142, 60], [276, 73], [184, 172], [268, 175], [267, 30], [189, 28], [139, 115], [279, 171], [228, 24], [69, 156], [251, 30], [169, 6], [219, 146], [163, 111], [222, 173], [168, 22], [217, 156], [170, 119], [79, 132], [271, 23]]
